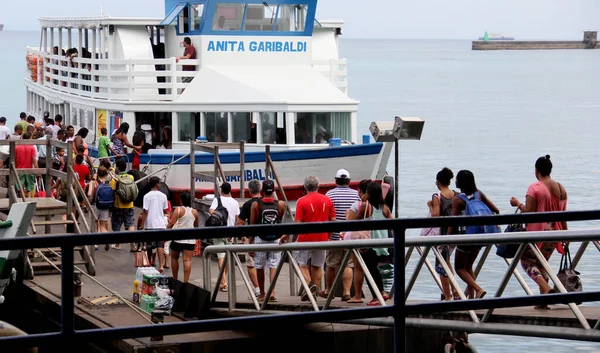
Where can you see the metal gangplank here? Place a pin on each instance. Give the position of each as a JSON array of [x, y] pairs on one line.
[[219, 175], [498, 313]]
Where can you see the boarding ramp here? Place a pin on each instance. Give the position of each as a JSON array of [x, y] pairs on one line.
[[58, 215]]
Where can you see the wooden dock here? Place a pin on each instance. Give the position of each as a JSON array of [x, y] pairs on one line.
[[115, 270]]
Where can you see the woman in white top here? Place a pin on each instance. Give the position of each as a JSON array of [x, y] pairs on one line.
[[183, 218]]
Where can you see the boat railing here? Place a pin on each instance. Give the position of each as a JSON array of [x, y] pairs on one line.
[[336, 70], [134, 80], [111, 79]]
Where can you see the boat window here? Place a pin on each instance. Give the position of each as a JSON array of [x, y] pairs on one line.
[[215, 127], [273, 128], [320, 127], [189, 126], [184, 21], [197, 13], [242, 127], [228, 17], [260, 17], [291, 18]]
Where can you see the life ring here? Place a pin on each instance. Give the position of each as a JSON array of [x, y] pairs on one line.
[[8, 330]]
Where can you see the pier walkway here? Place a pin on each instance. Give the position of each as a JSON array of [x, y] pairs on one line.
[[488, 315]]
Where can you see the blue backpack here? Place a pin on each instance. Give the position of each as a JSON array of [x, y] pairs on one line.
[[476, 207], [105, 196]]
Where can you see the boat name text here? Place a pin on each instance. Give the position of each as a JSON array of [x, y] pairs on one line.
[[256, 46]]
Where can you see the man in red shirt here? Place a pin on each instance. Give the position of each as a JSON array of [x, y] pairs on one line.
[[313, 207], [26, 157], [188, 53]]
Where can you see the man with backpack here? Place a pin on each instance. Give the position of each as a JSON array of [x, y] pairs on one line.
[[266, 211], [155, 207], [223, 212], [126, 192]]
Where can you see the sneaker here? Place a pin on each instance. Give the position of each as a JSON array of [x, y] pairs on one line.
[[313, 290]]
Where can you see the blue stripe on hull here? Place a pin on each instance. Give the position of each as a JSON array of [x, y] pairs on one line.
[[255, 156]]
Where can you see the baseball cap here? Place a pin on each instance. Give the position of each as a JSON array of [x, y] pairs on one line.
[[342, 174], [268, 186]]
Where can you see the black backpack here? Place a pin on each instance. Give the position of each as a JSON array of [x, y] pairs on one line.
[[219, 217], [269, 214]]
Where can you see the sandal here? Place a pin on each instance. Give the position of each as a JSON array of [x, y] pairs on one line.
[[481, 294], [541, 307], [223, 288], [272, 300], [374, 302], [116, 247], [322, 294], [106, 247], [354, 301], [346, 297]]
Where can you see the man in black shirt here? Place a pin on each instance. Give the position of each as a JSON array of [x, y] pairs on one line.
[[244, 218]]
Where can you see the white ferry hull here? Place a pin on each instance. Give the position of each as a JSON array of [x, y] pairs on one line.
[[362, 161]]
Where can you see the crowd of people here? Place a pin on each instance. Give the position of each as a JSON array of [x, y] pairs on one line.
[[544, 195], [339, 203]]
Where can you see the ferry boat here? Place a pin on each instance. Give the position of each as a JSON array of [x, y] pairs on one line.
[[494, 36], [267, 73]]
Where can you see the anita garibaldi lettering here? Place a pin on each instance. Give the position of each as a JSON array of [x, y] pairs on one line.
[[257, 46]]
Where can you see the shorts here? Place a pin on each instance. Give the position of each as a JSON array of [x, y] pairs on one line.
[[103, 215], [316, 257], [467, 249], [249, 260], [220, 241], [175, 246], [446, 252], [334, 258], [28, 182], [122, 216], [264, 259]]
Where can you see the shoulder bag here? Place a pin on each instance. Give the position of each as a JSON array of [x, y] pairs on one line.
[[567, 274], [508, 251], [359, 234]]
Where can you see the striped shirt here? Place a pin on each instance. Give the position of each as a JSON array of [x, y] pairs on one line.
[[342, 198]]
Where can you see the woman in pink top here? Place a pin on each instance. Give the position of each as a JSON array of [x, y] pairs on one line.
[[545, 195]]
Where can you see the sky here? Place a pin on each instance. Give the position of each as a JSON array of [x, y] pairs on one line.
[[405, 19]]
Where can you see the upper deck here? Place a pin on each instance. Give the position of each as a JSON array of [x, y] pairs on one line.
[[247, 51]]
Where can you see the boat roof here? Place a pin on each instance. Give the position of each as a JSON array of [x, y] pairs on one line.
[[97, 21], [264, 85]]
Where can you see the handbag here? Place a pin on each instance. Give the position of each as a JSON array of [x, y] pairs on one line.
[[359, 234], [567, 274], [508, 251], [433, 231], [140, 259]]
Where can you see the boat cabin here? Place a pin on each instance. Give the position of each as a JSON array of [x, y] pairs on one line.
[[263, 72]]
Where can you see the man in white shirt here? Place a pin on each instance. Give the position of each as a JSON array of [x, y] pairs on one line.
[[233, 210], [4, 134], [4, 130], [220, 25], [153, 217]]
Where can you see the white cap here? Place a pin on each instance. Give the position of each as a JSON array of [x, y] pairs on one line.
[[342, 174]]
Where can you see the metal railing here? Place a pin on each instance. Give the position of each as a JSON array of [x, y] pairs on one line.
[[69, 337], [152, 80], [232, 260]]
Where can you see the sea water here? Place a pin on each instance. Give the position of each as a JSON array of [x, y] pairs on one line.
[[493, 113]]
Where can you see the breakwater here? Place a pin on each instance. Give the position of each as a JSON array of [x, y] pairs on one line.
[[589, 42]]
